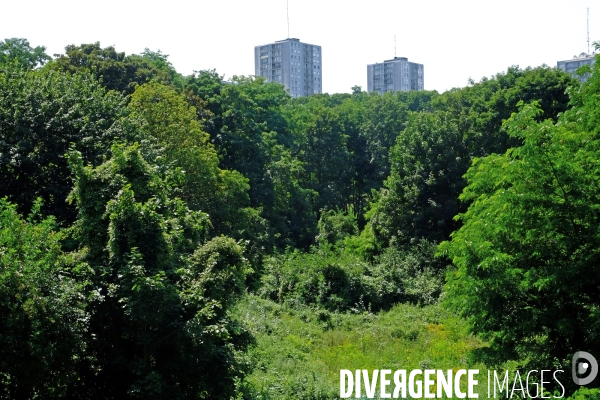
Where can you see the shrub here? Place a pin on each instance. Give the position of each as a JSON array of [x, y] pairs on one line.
[[342, 281]]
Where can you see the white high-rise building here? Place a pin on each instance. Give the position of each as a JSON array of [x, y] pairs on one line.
[[572, 65], [395, 75], [296, 65]]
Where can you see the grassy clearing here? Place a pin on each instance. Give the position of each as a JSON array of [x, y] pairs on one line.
[[300, 352]]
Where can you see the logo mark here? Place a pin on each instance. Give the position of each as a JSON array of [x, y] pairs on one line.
[[590, 365]]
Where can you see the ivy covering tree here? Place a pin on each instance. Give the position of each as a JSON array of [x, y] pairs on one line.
[[169, 119], [159, 323]]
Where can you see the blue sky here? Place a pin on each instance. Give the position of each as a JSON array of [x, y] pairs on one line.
[[455, 40]]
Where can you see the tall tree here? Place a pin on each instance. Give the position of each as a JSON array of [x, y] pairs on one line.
[[223, 194], [18, 50], [480, 109], [202, 90], [420, 197], [168, 118], [160, 322], [250, 116], [41, 114], [526, 256], [117, 71], [325, 156]]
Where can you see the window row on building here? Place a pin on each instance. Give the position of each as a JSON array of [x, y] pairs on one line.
[[571, 66], [294, 64], [397, 74]]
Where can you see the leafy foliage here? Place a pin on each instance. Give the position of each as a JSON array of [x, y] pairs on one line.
[[334, 227], [585, 393], [332, 206], [420, 197], [415, 272], [250, 117], [43, 308], [116, 70], [41, 114], [530, 239], [325, 155], [169, 119], [342, 281], [421, 194], [161, 324], [19, 51]]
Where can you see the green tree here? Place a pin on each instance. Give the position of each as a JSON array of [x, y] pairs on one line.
[[250, 117], [420, 197], [252, 136], [334, 226], [480, 110], [172, 121], [41, 114], [43, 308], [117, 71], [384, 118], [322, 149], [387, 117], [203, 89], [161, 328], [19, 51], [352, 113], [223, 194], [161, 62], [291, 212], [526, 256], [586, 103]]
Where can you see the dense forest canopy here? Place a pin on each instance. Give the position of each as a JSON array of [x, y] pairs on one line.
[[139, 205]]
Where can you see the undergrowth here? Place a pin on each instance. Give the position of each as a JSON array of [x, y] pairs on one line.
[[300, 351]]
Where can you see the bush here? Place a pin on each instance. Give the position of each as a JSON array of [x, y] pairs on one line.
[[334, 226], [342, 281], [586, 394], [415, 272], [319, 278]]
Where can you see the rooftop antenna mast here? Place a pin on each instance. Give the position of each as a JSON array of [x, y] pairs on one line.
[[287, 7], [394, 46], [588, 29]]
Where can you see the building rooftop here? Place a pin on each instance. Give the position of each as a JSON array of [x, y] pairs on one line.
[[288, 40], [581, 56], [394, 59], [397, 58]]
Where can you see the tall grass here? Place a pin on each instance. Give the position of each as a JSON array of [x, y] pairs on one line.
[[299, 352]]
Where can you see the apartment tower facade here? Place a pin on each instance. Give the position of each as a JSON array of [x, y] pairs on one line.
[[570, 66], [395, 75], [296, 65]]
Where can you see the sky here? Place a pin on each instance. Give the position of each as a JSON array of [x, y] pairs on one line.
[[455, 40]]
